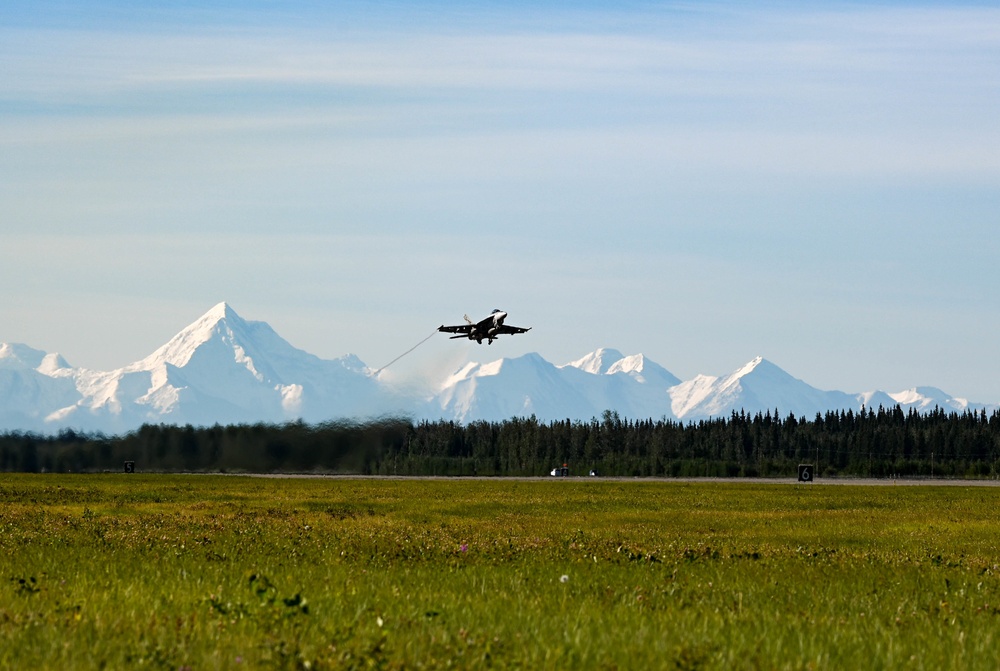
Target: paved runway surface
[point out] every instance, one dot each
(868, 482)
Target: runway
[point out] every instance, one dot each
(856, 482)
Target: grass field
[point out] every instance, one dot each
(220, 572)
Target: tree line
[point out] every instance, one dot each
(871, 443)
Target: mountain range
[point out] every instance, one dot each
(224, 369)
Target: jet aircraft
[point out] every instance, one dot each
(490, 328)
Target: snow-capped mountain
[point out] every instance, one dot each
(220, 369)
(924, 399)
(758, 386)
(31, 384)
(521, 387)
(224, 369)
(529, 385)
(635, 387)
(610, 362)
(632, 386)
(222, 363)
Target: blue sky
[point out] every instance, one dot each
(816, 183)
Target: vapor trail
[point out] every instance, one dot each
(375, 374)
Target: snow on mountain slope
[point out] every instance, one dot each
(598, 362)
(33, 384)
(759, 386)
(633, 386)
(925, 399)
(583, 389)
(15, 356)
(223, 365)
(224, 369)
(606, 361)
(220, 369)
(495, 391)
(875, 400)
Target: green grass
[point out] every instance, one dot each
(217, 572)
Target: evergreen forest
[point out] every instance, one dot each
(869, 443)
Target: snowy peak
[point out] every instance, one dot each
(927, 398)
(757, 386)
(22, 357)
(17, 356)
(529, 385)
(220, 349)
(760, 371)
(643, 370)
(219, 369)
(599, 362)
(750, 367)
(634, 363)
(635, 387)
(219, 312)
(519, 387)
(526, 363)
(220, 323)
(607, 361)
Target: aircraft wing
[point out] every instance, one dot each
(461, 328)
(512, 330)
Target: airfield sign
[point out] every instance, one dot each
(805, 472)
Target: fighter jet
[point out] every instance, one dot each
(490, 328)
